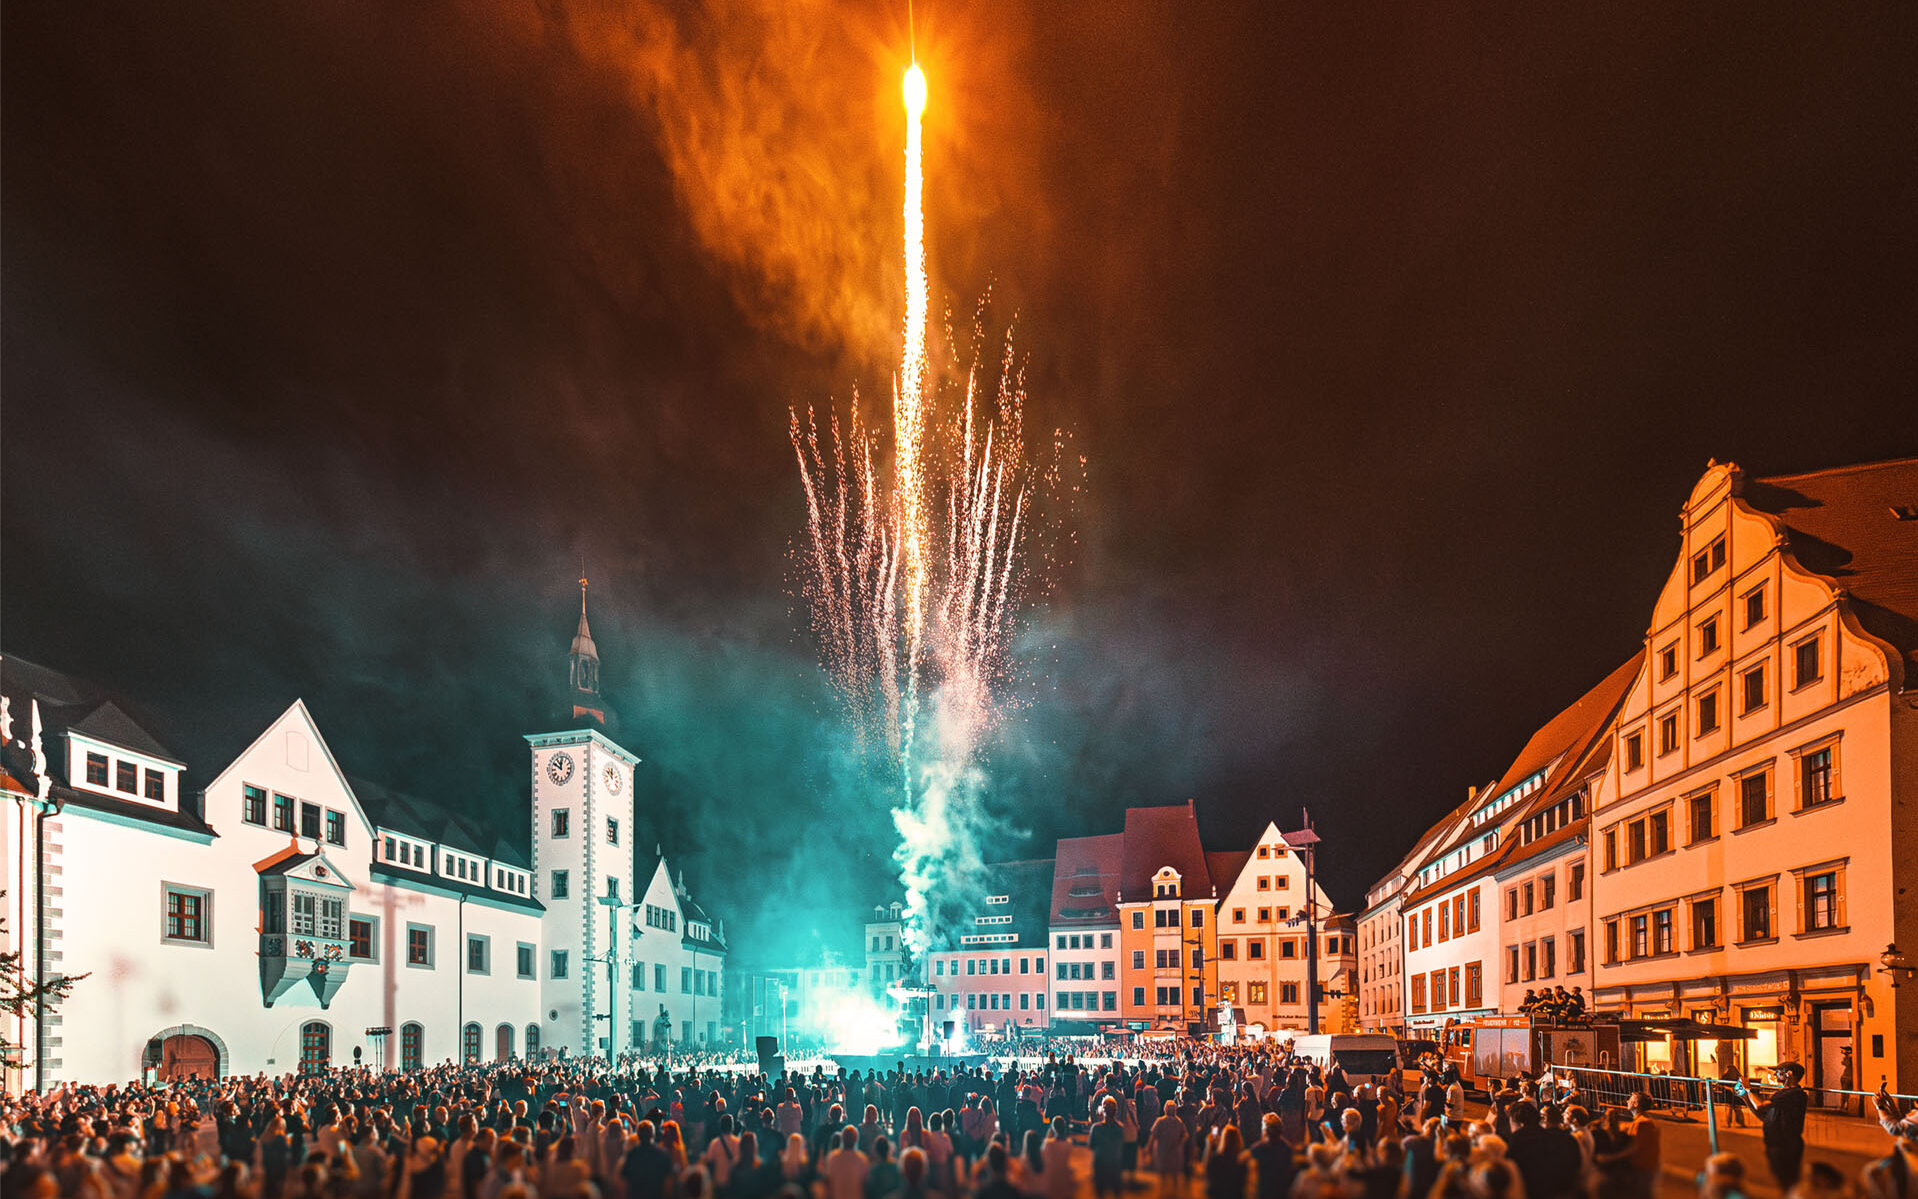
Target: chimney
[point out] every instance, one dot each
(1471, 792)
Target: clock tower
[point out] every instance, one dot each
(582, 812)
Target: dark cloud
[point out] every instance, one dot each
(1393, 339)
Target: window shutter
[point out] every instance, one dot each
(1771, 901)
(1798, 901)
(1839, 879)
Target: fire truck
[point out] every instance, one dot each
(1488, 1048)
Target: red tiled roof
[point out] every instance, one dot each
(1159, 837)
(1841, 523)
(1568, 744)
(1083, 863)
(1224, 866)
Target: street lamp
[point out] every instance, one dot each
(1895, 964)
(612, 904)
(1304, 840)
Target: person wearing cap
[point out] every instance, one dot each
(1783, 1120)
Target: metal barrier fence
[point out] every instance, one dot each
(1835, 1119)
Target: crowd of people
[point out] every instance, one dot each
(1225, 1122)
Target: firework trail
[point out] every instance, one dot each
(913, 575)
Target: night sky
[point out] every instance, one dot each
(1392, 336)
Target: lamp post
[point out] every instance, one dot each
(612, 904)
(1305, 840)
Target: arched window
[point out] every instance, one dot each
(470, 1043)
(532, 1040)
(503, 1042)
(316, 1047)
(412, 1046)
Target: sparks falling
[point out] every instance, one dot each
(913, 577)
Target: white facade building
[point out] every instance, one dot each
(286, 915)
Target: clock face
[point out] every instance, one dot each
(559, 767)
(613, 781)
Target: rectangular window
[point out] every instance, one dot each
(282, 813)
(1668, 662)
(1228, 950)
(1668, 733)
(1755, 913)
(253, 805)
(1635, 842)
(1546, 885)
(1474, 984)
(1238, 915)
(1062, 969)
(1755, 605)
(1138, 959)
(1138, 919)
(1575, 951)
(1611, 941)
(1641, 930)
(1265, 915)
(1471, 911)
(359, 939)
(155, 786)
(612, 831)
(1754, 798)
(1418, 992)
(186, 915)
(1659, 831)
(1531, 960)
(1707, 560)
(1511, 964)
(1702, 828)
(1814, 778)
(562, 822)
(1255, 948)
(1705, 923)
(1806, 663)
(1708, 636)
(1198, 958)
(1138, 997)
(1525, 898)
(126, 777)
(336, 828)
(559, 963)
(1547, 958)
(1707, 713)
(524, 959)
(96, 770)
(1105, 940)
(659, 977)
(562, 885)
(476, 955)
(1106, 971)
(1752, 686)
(1662, 931)
(685, 980)
(1821, 901)
(419, 945)
(1634, 751)
(310, 821)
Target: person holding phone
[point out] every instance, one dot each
(1783, 1121)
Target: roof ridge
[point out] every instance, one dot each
(1839, 470)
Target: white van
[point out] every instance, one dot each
(1365, 1057)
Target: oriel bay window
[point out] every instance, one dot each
(303, 928)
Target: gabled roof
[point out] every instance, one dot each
(1224, 866)
(1085, 876)
(1841, 524)
(108, 722)
(1575, 736)
(1160, 837)
(430, 821)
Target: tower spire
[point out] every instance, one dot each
(583, 664)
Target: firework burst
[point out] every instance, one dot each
(913, 566)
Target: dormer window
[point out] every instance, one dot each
(155, 785)
(127, 778)
(1705, 561)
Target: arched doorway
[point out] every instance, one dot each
(532, 1040)
(187, 1055)
(470, 1044)
(503, 1043)
(316, 1047)
(412, 1046)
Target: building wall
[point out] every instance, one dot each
(1807, 991)
(1085, 973)
(1451, 952)
(682, 974)
(1381, 969)
(1184, 928)
(1544, 924)
(1262, 938)
(139, 986)
(984, 989)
